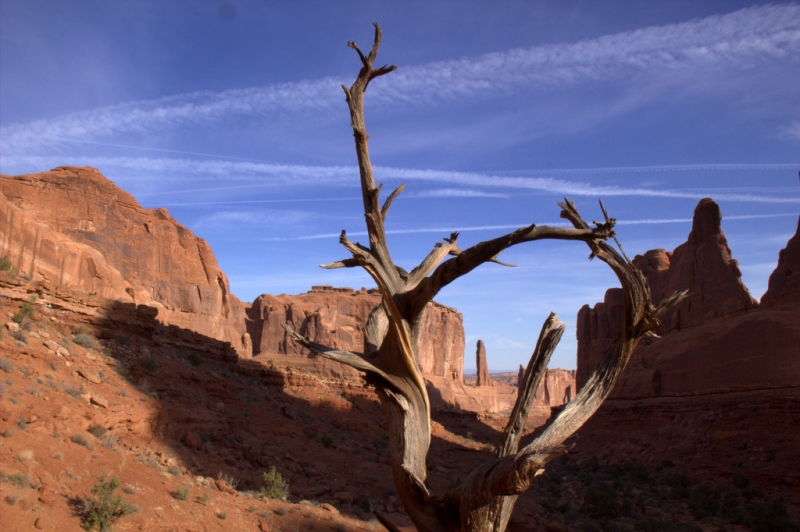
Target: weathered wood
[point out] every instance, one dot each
(485, 500)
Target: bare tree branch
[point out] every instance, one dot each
(390, 199)
(344, 263)
(348, 358)
(485, 501)
(471, 258)
(439, 252)
(551, 333)
(391, 527)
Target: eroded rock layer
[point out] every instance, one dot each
(73, 227)
(336, 317)
(719, 338)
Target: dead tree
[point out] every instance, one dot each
(486, 498)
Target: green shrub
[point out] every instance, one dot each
(680, 483)
(74, 391)
(274, 485)
(768, 517)
(6, 266)
(6, 364)
(227, 477)
(182, 493)
(104, 509)
(704, 502)
(19, 480)
(98, 431)
(85, 340)
(80, 439)
(25, 312)
(601, 500)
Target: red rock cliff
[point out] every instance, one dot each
(72, 226)
(336, 317)
(784, 283)
(718, 339)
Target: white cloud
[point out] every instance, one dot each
(736, 40)
(455, 193)
(168, 172)
(465, 229)
(265, 218)
(791, 131)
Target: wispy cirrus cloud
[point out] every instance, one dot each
(240, 218)
(791, 131)
(455, 193)
(172, 172)
(465, 229)
(736, 40)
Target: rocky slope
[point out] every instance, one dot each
(188, 428)
(72, 227)
(719, 338)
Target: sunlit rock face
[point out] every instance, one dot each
(336, 317)
(73, 227)
(719, 338)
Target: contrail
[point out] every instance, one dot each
(445, 230)
(735, 40)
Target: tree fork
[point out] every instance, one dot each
(485, 501)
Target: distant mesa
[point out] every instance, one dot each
(719, 338)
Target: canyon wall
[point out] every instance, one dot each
(719, 338)
(336, 317)
(71, 227)
(79, 236)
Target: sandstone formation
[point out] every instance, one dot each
(72, 227)
(719, 338)
(79, 237)
(483, 378)
(557, 388)
(784, 283)
(336, 317)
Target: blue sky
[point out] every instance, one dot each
(230, 115)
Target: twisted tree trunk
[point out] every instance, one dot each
(485, 501)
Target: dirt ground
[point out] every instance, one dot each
(189, 432)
